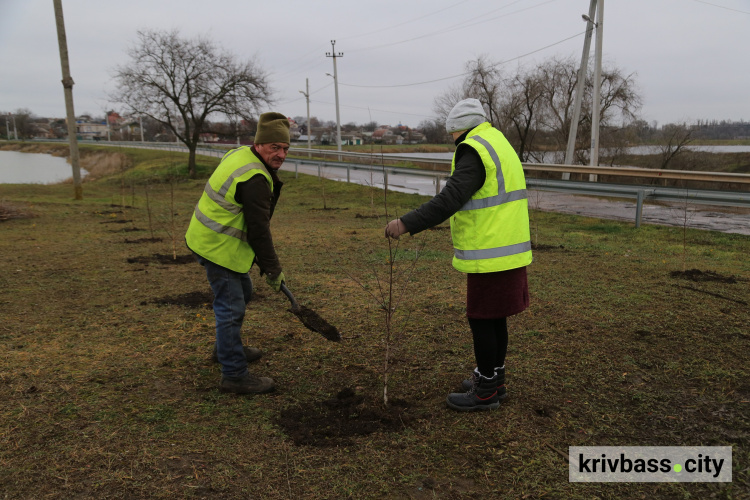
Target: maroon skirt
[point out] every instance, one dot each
(496, 295)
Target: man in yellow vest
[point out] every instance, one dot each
(229, 232)
(485, 199)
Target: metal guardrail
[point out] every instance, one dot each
(641, 193)
(638, 192)
(646, 173)
(368, 161)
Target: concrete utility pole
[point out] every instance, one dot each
(7, 127)
(140, 125)
(67, 82)
(15, 130)
(334, 55)
(307, 97)
(597, 90)
(579, 88)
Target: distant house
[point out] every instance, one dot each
(379, 134)
(392, 139)
(209, 137)
(351, 140)
(91, 129)
(42, 130)
(303, 139)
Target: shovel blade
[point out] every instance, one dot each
(315, 323)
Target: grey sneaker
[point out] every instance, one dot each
(251, 354)
(249, 384)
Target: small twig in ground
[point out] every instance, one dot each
(560, 452)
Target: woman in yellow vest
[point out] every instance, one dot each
(485, 199)
(229, 232)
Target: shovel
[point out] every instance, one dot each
(310, 318)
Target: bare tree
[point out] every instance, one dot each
(443, 103)
(559, 78)
(534, 107)
(523, 111)
(485, 84)
(180, 82)
(673, 141)
(434, 131)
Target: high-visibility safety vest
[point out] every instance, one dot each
(217, 228)
(491, 231)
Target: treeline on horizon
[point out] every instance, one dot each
(26, 124)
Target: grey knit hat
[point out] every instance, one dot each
(465, 115)
(272, 127)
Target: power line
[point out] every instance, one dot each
(377, 31)
(722, 7)
(311, 93)
(375, 109)
(404, 23)
(467, 72)
(459, 26)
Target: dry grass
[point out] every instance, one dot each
(108, 390)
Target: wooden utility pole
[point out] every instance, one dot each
(334, 55)
(67, 82)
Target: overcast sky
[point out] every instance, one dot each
(690, 57)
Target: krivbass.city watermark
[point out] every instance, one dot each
(650, 464)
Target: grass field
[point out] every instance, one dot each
(633, 337)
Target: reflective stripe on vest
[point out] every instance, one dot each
(492, 253)
(220, 197)
(219, 228)
(502, 196)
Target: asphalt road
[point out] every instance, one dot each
(712, 218)
(696, 216)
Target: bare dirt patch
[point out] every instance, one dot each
(10, 211)
(144, 240)
(195, 300)
(336, 421)
(702, 276)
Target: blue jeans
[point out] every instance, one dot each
(232, 292)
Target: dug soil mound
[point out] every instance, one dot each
(336, 421)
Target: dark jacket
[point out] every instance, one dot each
(258, 204)
(467, 178)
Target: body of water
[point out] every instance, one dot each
(637, 150)
(33, 168)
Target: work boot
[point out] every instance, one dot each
(249, 384)
(482, 396)
(251, 353)
(499, 371)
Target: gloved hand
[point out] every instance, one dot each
(276, 282)
(395, 228)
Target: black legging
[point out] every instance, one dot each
(490, 343)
